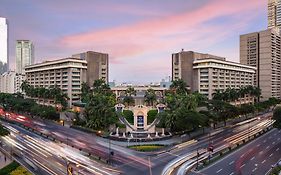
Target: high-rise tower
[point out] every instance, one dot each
(274, 13)
(24, 54)
(3, 45)
(262, 50)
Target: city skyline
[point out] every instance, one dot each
(139, 37)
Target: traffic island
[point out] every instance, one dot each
(147, 148)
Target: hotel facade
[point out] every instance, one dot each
(68, 74)
(207, 73)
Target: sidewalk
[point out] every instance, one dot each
(4, 161)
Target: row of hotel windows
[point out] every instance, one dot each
(57, 65)
(52, 74)
(227, 82)
(215, 70)
(221, 65)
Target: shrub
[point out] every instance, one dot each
(9, 168)
(20, 171)
(129, 115)
(151, 115)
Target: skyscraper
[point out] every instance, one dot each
(262, 50)
(97, 65)
(274, 13)
(3, 45)
(24, 55)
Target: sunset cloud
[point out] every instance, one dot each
(139, 36)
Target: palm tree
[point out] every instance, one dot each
(217, 95)
(128, 99)
(25, 87)
(150, 97)
(130, 91)
(179, 87)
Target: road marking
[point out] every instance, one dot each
(258, 145)
(173, 154)
(264, 141)
(270, 155)
(267, 147)
(277, 149)
(231, 173)
(254, 169)
(261, 152)
(242, 166)
(231, 163)
(219, 170)
(253, 158)
(242, 155)
(273, 143)
(263, 161)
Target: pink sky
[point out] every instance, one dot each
(140, 37)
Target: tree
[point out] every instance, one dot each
(179, 87)
(150, 97)
(100, 111)
(223, 109)
(277, 117)
(128, 99)
(85, 91)
(100, 86)
(3, 131)
(217, 95)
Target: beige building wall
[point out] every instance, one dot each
(97, 65)
(262, 49)
(271, 13)
(68, 74)
(182, 66)
(207, 73)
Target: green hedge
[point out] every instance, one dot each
(147, 148)
(129, 115)
(3, 131)
(275, 170)
(151, 115)
(9, 168)
(20, 171)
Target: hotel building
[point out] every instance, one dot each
(97, 65)
(262, 50)
(207, 73)
(68, 74)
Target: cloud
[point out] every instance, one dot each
(164, 33)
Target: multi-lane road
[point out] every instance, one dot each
(124, 160)
(45, 157)
(255, 158)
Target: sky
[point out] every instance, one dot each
(139, 35)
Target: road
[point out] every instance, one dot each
(46, 157)
(126, 160)
(255, 158)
